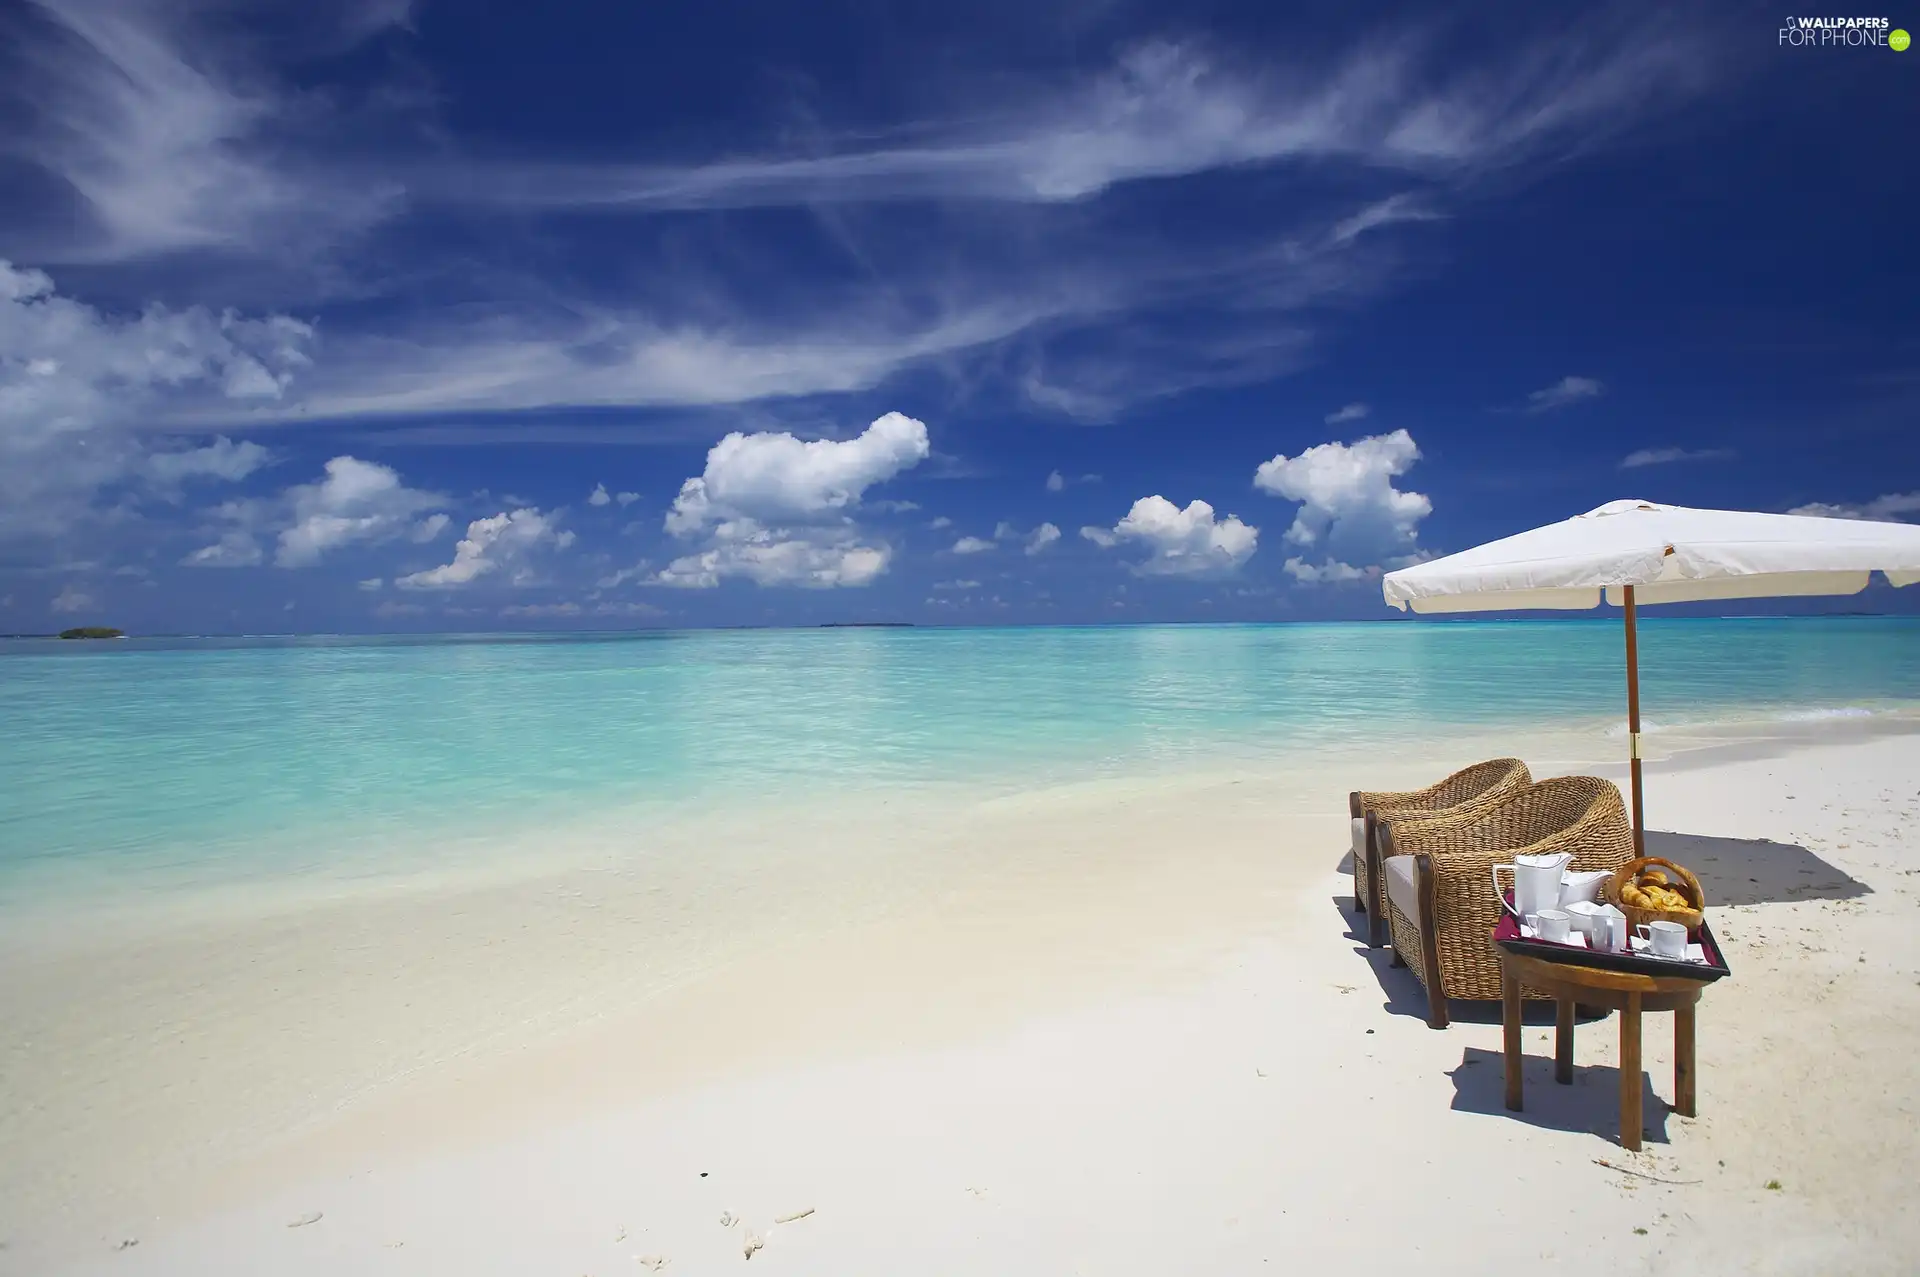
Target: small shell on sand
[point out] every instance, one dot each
(655, 1262)
(750, 1241)
(788, 1219)
(311, 1217)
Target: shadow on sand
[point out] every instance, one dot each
(1590, 1106)
(1741, 871)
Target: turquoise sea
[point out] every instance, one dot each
(203, 759)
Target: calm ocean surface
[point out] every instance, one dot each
(229, 755)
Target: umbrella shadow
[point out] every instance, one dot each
(1590, 1106)
(1752, 871)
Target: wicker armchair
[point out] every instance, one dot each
(1467, 791)
(1439, 881)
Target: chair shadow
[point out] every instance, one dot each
(1590, 1106)
(1742, 871)
(1404, 993)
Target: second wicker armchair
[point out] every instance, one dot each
(1467, 791)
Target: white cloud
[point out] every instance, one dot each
(429, 528)
(1894, 507)
(893, 507)
(372, 584)
(1189, 542)
(236, 548)
(814, 558)
(1352, 412)
(778, 511)
(956, 585)
(1055, 482)
(626, 498)
(1667, 456)
(393, 607)
(940, 523)
(75, 384)
(599, 495)
(774, 477)
(71, 599)
(221, 459)
(1349, 509)
(1042, 537)
(357, 502)
(502, 540)
(1567, 390)
(611, 607)
(972, 545)
(542, 609)
(1331, 570)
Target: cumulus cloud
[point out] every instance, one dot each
(1189, 542)
(599, 495)
(357, 502)
(776, 510)
(773, 477)
(1331, 570)
(504, 540)
(1894, 507)
(1042, 537)
(1056, 481)
(71, 599)
(972, 545)
(1668, 456)
(1350, 512)
(940, 523)
(1567, 390)
(626, 498)
(75, 384)
(1352, 412)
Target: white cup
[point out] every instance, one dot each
(1554, 925)
(1666, 939)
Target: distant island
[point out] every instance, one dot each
(92, 632)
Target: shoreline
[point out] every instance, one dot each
(1041, 907)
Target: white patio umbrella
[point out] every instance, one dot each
(1633, 552)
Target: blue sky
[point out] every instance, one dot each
(380, 315)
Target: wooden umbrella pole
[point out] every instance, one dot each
(1633, 724)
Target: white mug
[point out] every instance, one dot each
(1553, 925)
(1615, 928)
(1666, 939)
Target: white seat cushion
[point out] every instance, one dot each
(1360, 842)
(1400, 888)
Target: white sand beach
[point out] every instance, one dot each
(1125, 1029)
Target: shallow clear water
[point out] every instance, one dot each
(211, 757)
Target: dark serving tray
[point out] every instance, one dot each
(1507, 936)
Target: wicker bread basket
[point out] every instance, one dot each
(1679, 878)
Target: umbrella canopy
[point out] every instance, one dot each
(1632, 552)
(1669, 553)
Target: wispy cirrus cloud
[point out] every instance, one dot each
(1669, 456)
(174, 138)
(1564, 392)
(1167, 109)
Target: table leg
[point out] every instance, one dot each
(1630, 1074)
(1563, 1041)
(1683, 1098)
(1510, 1021)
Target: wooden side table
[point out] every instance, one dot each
(1629, 994)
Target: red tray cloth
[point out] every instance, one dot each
(1507, 934)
